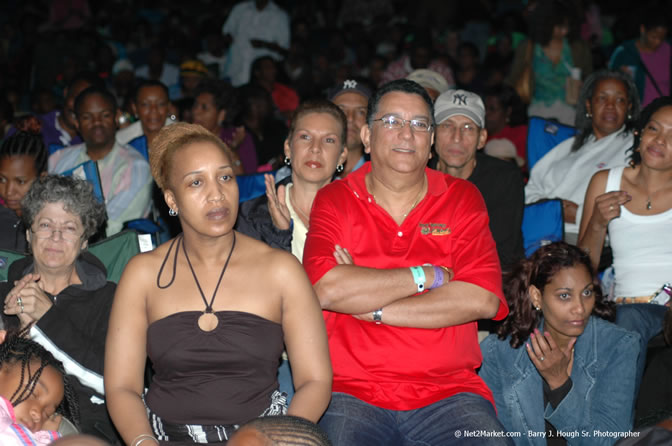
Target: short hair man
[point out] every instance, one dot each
(124, 173)
(402, 336)
(460, 136)
(151, 104)
(353, 98)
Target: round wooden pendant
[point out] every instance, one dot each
(208, 321)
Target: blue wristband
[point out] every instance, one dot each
(419, 277)
(438, 277)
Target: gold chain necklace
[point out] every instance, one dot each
(415, 203)
(291, 198)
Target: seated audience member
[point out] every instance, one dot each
(124, 173)
(505, 118)
(404, 359)
(607, 111)
(556, 366)
(460, 136)
(264, 74)
(61, 293)
(352, 97)
(647, 58)
(434, 83)
(633, 205)
(284, 430)
(213, 102)
(215, 357)
(469, 75)
(34, 393)
(59, 127)
(151, 105)
(315, 150)
(192, 73)
(23, 158)
(268, 133)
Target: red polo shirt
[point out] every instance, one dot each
(404, 368)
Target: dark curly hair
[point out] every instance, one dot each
(583, 123)
(538, 270)
(644, 118)
(19, 350)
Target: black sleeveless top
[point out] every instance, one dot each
(225, 376)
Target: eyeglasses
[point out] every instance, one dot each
(465, 129)
(46, 230)
(395, 123)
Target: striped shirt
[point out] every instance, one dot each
(125, 177)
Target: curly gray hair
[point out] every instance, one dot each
(75, 194)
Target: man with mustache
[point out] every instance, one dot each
(124, 173)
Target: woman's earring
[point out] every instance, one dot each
(340, 168)
(287, 161)
(537, 307)
(589, 115)
(172, 212)
(629, 116)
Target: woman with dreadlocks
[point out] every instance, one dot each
(33, 390)
(23, 158)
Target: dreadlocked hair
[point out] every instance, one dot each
(538, 270)
(18, 349)
(26, 144)
(288, 430)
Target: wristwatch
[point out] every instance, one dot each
(378, 316)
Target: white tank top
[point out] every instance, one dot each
(642, 247)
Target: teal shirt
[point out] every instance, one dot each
(549, 79)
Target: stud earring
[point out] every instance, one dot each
(172, 212)
(589, 115)
(629, 116)
(287, 161)
(340, 168)
(537, 307)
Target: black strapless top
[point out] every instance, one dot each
(225, 376)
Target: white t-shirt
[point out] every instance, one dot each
(642, 247)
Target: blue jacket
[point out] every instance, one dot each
(601, 397)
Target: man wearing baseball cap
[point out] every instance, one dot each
(352, 97)
(460, 134)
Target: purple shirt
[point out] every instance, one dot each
(658, 64)
(246, 151)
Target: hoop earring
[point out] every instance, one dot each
(172, 212)
(340, 168)
(287, 161)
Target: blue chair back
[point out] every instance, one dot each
(251, 186)
(88, 171)
(542, 136)
(542, 224)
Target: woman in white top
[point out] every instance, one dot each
(607, 110)
(634, 205)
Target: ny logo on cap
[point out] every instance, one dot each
(460, 99)
(349, 84)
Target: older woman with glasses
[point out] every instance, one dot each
(61, 291)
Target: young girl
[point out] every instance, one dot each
(33, 388)
(555, 367)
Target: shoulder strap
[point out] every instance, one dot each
(648, 73)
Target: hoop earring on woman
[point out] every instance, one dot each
(172, 212)
(340, 168)
(287, 161)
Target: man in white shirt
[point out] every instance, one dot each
(257, 28)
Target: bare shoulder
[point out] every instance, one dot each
(599, 180)
(147, 264)
(273, 260)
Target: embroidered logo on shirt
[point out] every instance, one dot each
(437, 229)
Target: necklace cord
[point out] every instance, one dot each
(208, 306)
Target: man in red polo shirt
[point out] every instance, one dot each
(404, 265)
